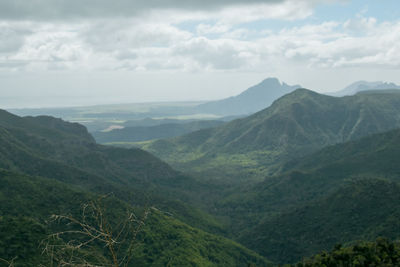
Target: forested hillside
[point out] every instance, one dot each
(296, 124)
(300, 197)
(339, 194)
(52, 167)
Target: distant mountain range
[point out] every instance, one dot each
(251, 100)
(361, 86)
(307, 173)
(319, 195)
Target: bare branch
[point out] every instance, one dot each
(81, 244)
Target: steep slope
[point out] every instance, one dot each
(30, 147)
(28, 202)
(50, 166)
(319, 174)
(252, 100)
(340, 194)
(382, 252)
(362, 210)
(380, 151)
(294, 125)
(361, 86)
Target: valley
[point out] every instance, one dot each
(296, 178)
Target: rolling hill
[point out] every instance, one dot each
(335, 181)
(67, 152)
(359, 210)
(48, 166)
(294, 125)
(340, 194)
(28, 202)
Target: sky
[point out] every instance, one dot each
(87, 52)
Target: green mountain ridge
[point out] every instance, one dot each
(340, 194)
(360, 210)
(133, 174)
(294, 125)
(49, 167)
(28, 202)
(292, 180)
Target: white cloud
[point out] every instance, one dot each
(204, 29)
(136, 45)
(12, 36)
(360, 25)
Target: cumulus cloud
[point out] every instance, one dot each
(376, 45)
(119, 34)
(160, 43)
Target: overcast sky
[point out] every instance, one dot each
(84, 52)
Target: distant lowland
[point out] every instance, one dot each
(276, 175)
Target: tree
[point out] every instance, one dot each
(98, 238)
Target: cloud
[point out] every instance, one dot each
(133, 44)
(213, 54)
(122, 33)
(360, 25)
(65, 9)
(12, 36)
(331, 47)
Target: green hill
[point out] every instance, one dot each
(339, 194)
(316, 198)
(360, 210)
(375, 154)
(60, 152)
(294, 125)
(382, 252)
(48, 166)
(28, 202)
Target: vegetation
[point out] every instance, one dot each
(361, 210)
(143, 133)
(297, 124)
(382, 252)
(56, 172)
(67, 153)
(312, 205)
(28, 202)
(283, 193)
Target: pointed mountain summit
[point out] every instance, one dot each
(252, 100)
(362, 86)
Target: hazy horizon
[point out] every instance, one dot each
(74, 53)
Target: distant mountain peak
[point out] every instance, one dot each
(300, 93)
(254, 99)
(272, 81)
(361, 86)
